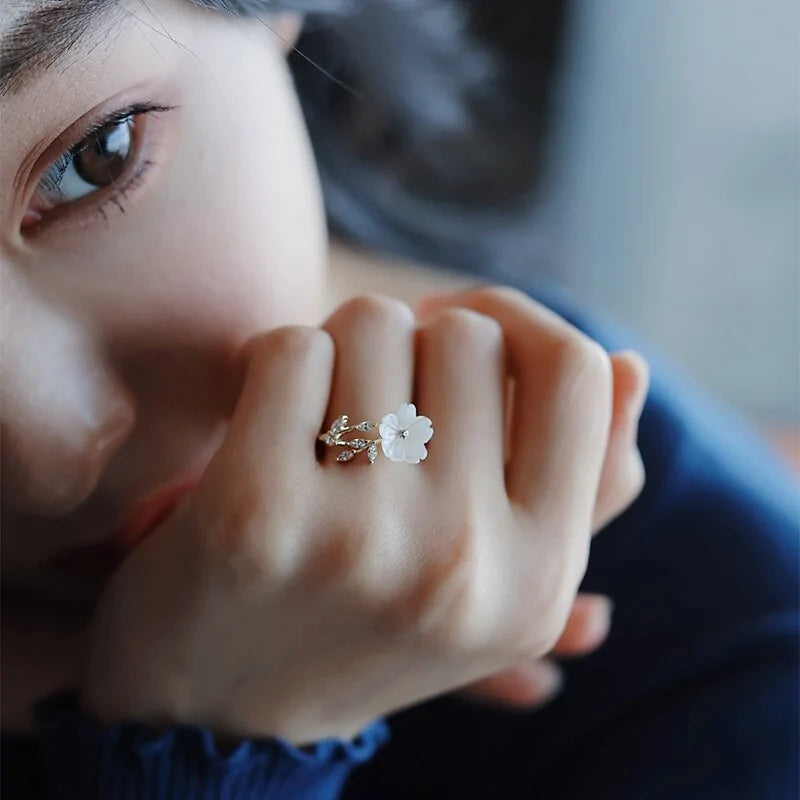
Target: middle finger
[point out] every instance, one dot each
(461, 383)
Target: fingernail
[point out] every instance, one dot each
(546, 678)
(601, 624)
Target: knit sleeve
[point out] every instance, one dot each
(79, 758)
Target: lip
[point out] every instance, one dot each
(151, 512)
(95, 562)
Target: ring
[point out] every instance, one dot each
(402, 436)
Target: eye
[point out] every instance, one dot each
(94, 163)
(108, 157)
(97, 162)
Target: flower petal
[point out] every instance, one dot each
(415, 452)
(389, 426)
(406, 415)
(421, 430)
(394, 449)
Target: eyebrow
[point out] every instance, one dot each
(39, 37)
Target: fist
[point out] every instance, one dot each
(296, 596)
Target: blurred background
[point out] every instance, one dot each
(690, 112)
(642, 154)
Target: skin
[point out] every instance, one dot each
(130, 344)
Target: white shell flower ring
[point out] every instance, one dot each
(403, 436)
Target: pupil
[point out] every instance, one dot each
(104, 155)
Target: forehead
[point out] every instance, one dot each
(52, 14)
(35, 34)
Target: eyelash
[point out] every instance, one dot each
(116, 193)
(118, 197)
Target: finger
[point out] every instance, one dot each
(530, 683)
(527, 684)
(562, 402)
(587, 627)
(631, 383)
(287, 374)
(373, 373)
(622, 476)
(460, 384)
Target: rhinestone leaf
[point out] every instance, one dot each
(345, 455)
(328, 438)
(358, 443)
(372, 453)
(339, 424)
(365, 426)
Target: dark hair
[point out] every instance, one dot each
(439, 139)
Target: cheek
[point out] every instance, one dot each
(231, 240)
(256, 204)
(254, 220)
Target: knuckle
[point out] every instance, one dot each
(635, 477)
(502, 298)
(377, 312)
(337, 558)
(624, 486)
(595, 365)
(554, 594)
(231, 527)
(550, 632)
(241, 534)
(432, 604)
(298, 342)
(580, 358)
(506, 294)
(464, 326)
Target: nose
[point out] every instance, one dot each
(64, 413)
(51, 472)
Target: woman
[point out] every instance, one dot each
(196, 603)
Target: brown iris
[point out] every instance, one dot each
(104, 155)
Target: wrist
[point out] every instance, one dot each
(83, 758)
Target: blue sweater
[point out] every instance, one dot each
(695, 694)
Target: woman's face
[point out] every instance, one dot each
(136, 261)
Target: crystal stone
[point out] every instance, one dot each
(345, 455)
(339, 424)
(365, 426)
(372, 453)
(358, 443)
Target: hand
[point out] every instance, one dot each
(303, 600)
(531, 683)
